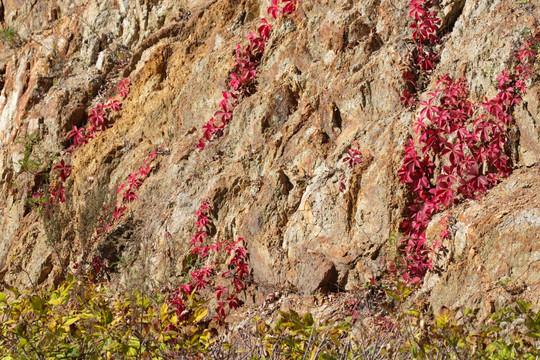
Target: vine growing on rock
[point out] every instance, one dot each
(113, 213)
(242, 77)
(98, 121)
(423, 58)
(202, 276)
(460, 153)
(80, 136)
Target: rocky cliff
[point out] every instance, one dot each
(330, 77)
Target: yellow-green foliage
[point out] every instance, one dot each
(83, 320)
(296, 337)
(511, 333)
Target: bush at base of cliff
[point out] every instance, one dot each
(83, 320)
(511, 333)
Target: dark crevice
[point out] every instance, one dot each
(374, 43)
(284, 184)
(45, 270)
(448, 21)
(325, 138)
(112, 253)
(329, 283)
(2, 18)
(337, 121)
(2, 77)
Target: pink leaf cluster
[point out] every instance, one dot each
(200, 278)
(241, 78)
(38, 200)
(383, 323)
(97, 264)
(98, 118)
(65, 170)
(288, 8)
(135, 180)
(123, 89)
(470, 150)
(423, 58)
(353, 158)
(57, 192)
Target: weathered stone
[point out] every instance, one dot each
(494, 248)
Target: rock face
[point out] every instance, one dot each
(330, 76)
(494, 254)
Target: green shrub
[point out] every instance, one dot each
(10, 37)
(30, 162)
(86, 320)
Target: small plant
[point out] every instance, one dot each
(10, 37)
(33, 162)
(353, 158)
(300, 337)
(112, 213)
(303, 181)
(98, 118)
(80, 136)
(512, 334)
(37, 201)
(30, 162)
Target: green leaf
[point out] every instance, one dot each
(536, 318)
(56, 300)
(163, 309)
(37, 303)
(494, 329)
(441, 319)
(106, 316)
(314, 352)
(413, 312)
(134, 344)
(143, 301)
(335, 339)
(205, 336)
(392, 294)
(22, 343)
(198, 314)
(524, 306)
(308, 319)
(71, 320)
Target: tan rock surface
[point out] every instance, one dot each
(493, 255)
